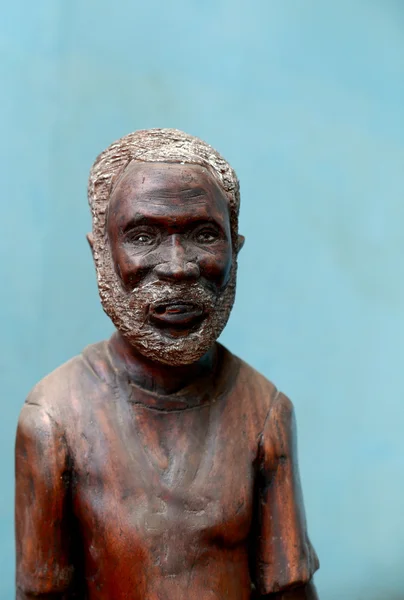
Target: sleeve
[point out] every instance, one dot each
(284, 556)
(43, 539)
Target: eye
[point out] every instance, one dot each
(207, 235)
(141, 238)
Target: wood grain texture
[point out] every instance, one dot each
(122, 497)
(158, 466)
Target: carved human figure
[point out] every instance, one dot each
(157, 465)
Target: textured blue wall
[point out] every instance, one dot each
(306, 100)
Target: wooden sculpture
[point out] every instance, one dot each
(157, 465)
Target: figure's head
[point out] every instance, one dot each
(165, 241)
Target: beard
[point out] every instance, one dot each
(130, 313)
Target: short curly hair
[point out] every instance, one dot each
(157, 145)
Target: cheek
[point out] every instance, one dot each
(130, 267)
(216, 267)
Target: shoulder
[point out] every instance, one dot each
(281, 411)
(260, 391)
(50, 399)
(278, 437)
(271, 410)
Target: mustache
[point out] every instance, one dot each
(160, 292)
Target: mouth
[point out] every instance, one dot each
(176, 314)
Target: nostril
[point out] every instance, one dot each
(177, 271)
(192, 270)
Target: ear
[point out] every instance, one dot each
(90, 240)
(241, 240)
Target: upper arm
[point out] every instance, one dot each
(44, 563)
(302, 592)
(284, 554)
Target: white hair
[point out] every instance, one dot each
(157, 145)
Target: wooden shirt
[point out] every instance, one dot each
(124, 494)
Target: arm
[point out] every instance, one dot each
(283, 557)
(42, 503)
(305, 592)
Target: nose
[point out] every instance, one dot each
(176, 267)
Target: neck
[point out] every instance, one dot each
(158, 377)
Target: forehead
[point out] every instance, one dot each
(174, 189)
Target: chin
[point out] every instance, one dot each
(173, 347)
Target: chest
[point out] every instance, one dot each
(184, 477)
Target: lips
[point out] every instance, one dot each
(176, 313)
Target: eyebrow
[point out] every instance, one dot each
(161, 221)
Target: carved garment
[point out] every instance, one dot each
(124, 494)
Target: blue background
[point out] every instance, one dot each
(306, 100)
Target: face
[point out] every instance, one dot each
(172, 273)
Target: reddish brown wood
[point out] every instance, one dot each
(137, 478)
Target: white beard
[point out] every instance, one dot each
(129, 313)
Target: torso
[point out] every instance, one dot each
(163, 490)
